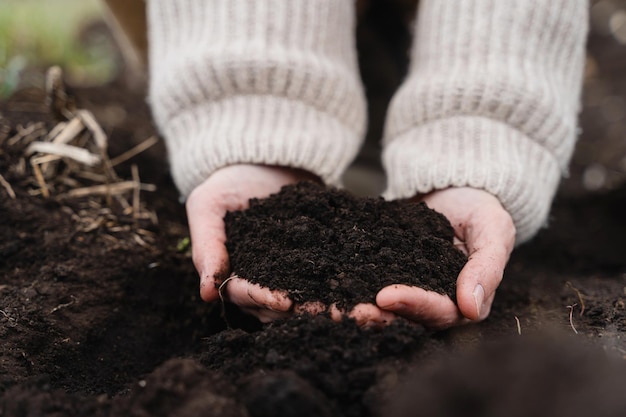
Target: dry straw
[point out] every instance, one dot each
(70, 162)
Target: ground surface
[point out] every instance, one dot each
(105, 319)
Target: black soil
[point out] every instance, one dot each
(504, 378)
(94, 324)
(326, 245)
(300, 346)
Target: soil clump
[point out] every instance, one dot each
(324, 244)
(93, 323)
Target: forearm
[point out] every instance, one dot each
(255, 81)
(491, 102)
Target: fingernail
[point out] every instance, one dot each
(479, 296)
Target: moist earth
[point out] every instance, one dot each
(94, 323)
(106, 321)
(327, 245)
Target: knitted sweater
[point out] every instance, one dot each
(490, 102)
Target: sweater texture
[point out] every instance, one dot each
(256, 81)
(490, 101)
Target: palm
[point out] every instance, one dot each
(485, 232)
(483, 228)
(228, 189)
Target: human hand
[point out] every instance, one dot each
(483, 230)
(227, 189)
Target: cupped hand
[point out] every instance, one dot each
(227, 189)
(483, 230)
(269, 305)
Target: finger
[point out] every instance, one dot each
(476, 288)
(208, 237)
(252, 296)
(335, 313)
(419, 305)
(490, 240)
(369, 315)
(364, 314)
(260, 302)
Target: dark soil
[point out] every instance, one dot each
(92, 323)
(507, 378)
(326, 245)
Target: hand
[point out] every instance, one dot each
(229, 189)
(483, 230)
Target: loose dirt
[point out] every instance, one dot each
(94, 322)
(326, 245)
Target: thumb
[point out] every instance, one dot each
(208, 247)
(489, 244)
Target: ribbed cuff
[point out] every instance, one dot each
(258, 130)
(270, 82)
(490, 102)
(480, 153)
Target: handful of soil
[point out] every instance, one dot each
(321, 244)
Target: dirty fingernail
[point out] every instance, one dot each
(479, 296)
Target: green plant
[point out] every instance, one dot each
(40, 33)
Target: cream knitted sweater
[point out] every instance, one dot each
(490, 102)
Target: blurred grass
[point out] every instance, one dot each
(41, 33)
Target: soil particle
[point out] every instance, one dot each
(326, 245)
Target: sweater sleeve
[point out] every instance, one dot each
(247, 81)
(491, 102)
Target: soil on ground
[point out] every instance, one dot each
(100, 312)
